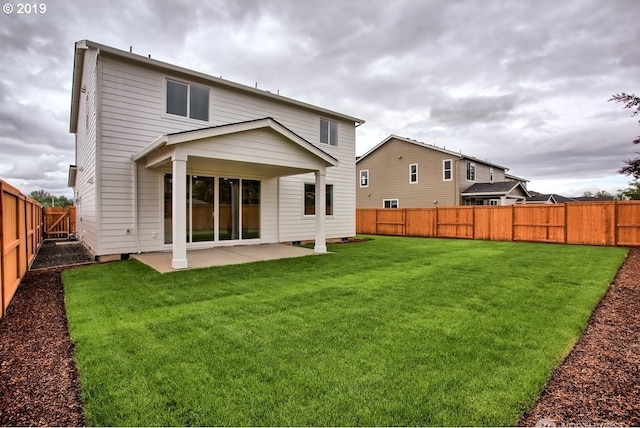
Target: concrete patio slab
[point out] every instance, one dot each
(221, 256)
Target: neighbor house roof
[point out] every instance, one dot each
(515, 177)
(501, 188)
(458, 155)
(541, 197)
(592, 198)
(83, 45)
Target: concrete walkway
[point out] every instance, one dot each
(222, 256)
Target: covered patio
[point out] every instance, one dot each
(251, 151)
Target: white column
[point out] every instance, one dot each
(179, 211)
(321, 208)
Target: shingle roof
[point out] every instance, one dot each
(459, 155)
(503, 187)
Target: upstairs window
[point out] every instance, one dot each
(364, 178)
(471, 171)
(447, 170)
(187, 100)
(329, 132)
(413, 173)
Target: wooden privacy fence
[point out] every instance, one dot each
(20, 235)
(59, 222)
(615, 223)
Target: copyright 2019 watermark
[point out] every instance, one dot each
(24, 8)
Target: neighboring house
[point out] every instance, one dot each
(404, 173)
(172, 159)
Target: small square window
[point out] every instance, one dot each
(310, 199)
(187, 100)
(390, 203)
(329, 132)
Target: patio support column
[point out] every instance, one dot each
(321, 207)
(179, 211)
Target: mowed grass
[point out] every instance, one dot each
(394, 331)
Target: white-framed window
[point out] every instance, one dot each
(310, 199)
(390, 203)
(491, 175)
(364, 178)
(413, 173)
(187, 100)
(447, 170)
(494, 202)
(471, 171)
(329, 132)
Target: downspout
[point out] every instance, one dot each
(135, 204)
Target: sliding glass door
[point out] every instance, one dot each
(250, 209)
(202, 214)
(235, 208)
(229, 208)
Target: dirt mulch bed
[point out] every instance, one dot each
(38, 380)
(60, 253)
(598, 383)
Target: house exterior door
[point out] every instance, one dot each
(233, 204)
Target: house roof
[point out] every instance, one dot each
(515, 177)
(249, 125)
(591, 198)
(502, 188)
(541, 197)
(430, 147)
(83, 45)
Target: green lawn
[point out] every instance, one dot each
(394, 331)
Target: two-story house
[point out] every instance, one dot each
(170, 159)
(401, 172)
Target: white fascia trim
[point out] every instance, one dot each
(155, 145)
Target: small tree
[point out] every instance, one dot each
(630, 193)
(46, 199)
(632, 167)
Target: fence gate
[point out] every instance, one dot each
(57, 222)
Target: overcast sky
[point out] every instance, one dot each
(521, 83)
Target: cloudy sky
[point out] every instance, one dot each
(521, 83)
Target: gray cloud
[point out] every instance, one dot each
(521, 83)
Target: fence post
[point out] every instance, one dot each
(473, 223)
(615, 223)
(566, 223)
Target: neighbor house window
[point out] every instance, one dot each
(364, 178)
(413, 173)
(329, 132)
(310, 199)
(447, 170)
(471, 171)
(187, 100)
(390, 203)
(491, 175)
